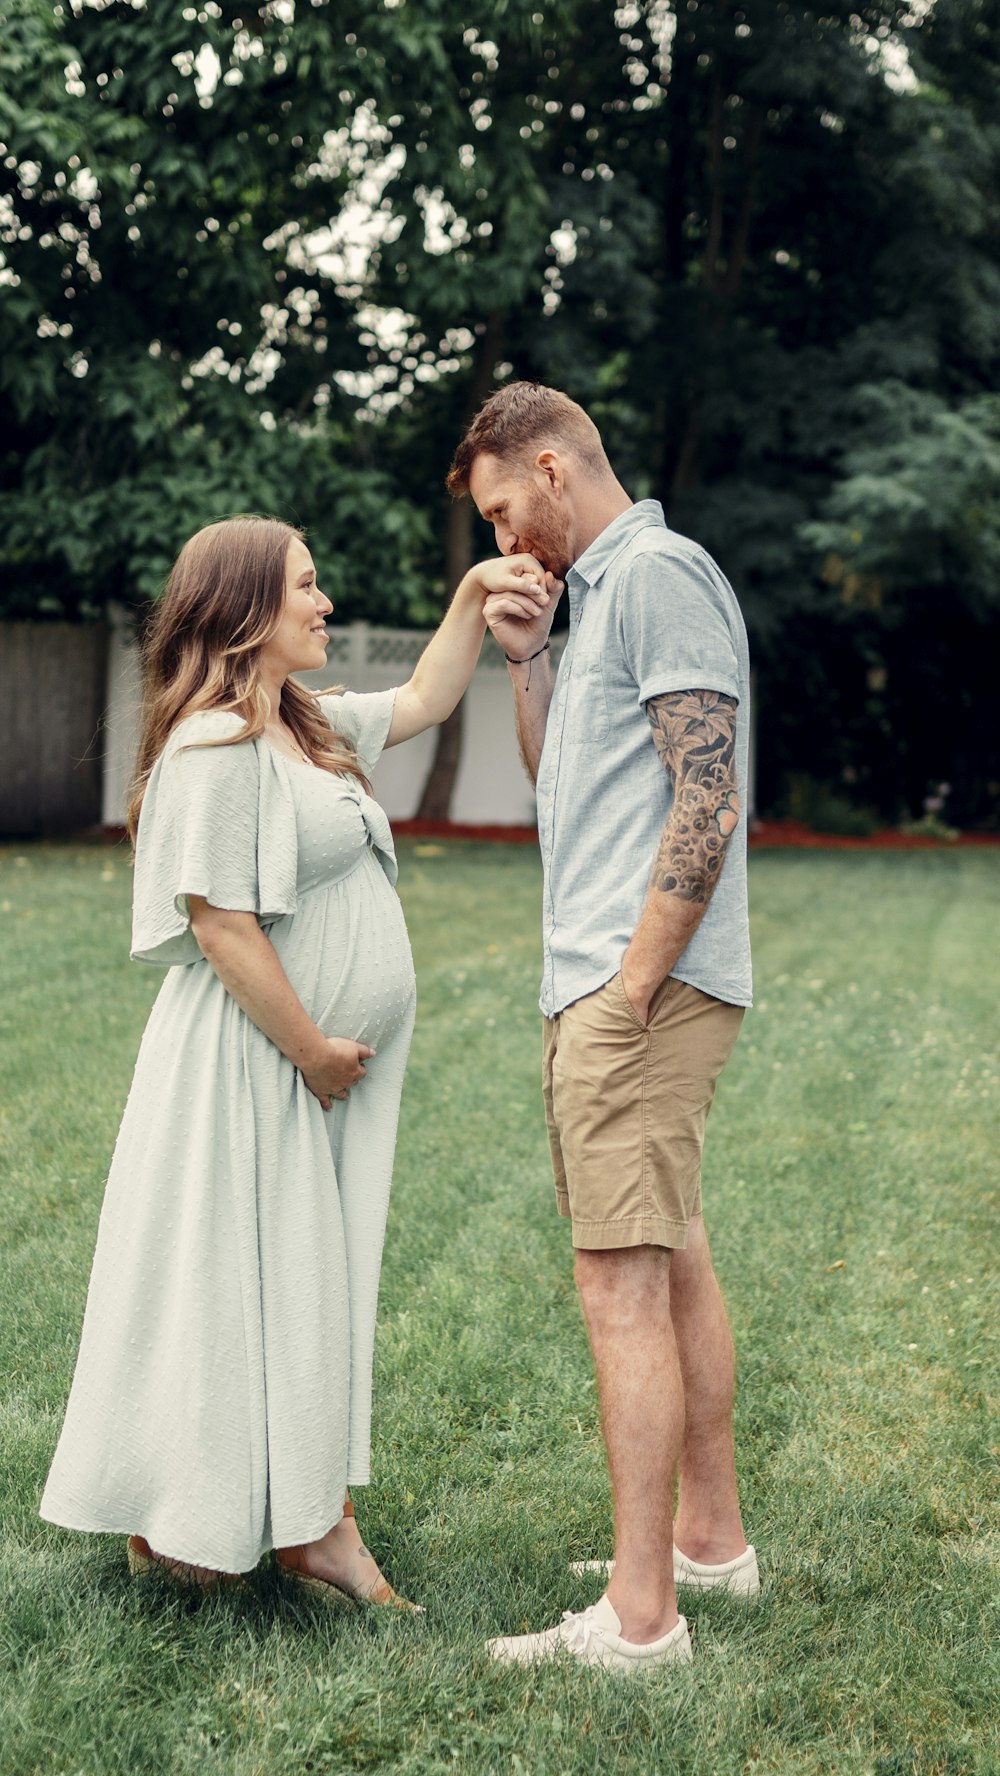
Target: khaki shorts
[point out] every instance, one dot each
(626, 1106)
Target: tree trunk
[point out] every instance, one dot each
(724, 261)
(675, 202)
(687, 469)
(435, 802)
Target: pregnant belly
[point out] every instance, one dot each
(352, 965)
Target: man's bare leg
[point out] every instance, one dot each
(709, 1528)
(626, 1305)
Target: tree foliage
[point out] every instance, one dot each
(167, 341)
(273, 257)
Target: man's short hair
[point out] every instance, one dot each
(522, 414)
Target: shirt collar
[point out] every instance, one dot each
(597, 558)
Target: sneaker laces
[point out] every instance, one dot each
(576, 1629)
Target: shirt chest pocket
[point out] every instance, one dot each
(587, 722)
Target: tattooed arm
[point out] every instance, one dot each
(695, 735)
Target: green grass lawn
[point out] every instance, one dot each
(851, 1187)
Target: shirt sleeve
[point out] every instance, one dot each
(216, 822)
(675, 625)
(364, 719)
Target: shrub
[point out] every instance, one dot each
(825, 810)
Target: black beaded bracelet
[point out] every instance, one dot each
(513, 661)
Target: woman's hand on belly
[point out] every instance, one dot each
(332, 1074)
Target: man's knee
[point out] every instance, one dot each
(621, 1286)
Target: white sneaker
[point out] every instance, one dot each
(593, 1637)
(740, 1576)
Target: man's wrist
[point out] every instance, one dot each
(525, 659)
(638, 982)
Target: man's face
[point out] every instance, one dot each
(526, 516)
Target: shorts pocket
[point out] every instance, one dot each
(618, 986)
(664, 993)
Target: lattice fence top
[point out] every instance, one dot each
(362, 645)
(394, 647)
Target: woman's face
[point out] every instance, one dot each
(300, 641)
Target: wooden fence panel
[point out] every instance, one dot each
(52, 694)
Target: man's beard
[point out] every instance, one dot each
(549, 532)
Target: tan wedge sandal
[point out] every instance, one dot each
(142, 1561)
(291, 1561)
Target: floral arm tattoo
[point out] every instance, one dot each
(695, 735)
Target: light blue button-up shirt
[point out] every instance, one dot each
(649, 612)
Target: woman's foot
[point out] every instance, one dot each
(142, 1559)
(340, 1562)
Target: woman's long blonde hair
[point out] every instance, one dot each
(201, 650)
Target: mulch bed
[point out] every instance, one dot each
(790, 834)
(794, 833)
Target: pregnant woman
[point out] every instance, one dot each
(221, 1403)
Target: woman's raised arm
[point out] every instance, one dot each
(448, 661)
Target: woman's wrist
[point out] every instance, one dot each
(470, 590)
(308, 1051)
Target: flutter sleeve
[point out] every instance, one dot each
(217, 821)
(364, 718)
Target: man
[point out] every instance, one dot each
(638, 749)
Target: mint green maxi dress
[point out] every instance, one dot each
(221, 1402)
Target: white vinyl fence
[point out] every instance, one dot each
(491, 788)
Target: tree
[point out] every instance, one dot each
(294, 251)
(166, 335)
(475, 132)
(719, 227)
